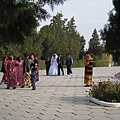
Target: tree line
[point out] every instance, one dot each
(19, 20)
(60, 36)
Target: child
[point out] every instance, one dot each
(33, 78)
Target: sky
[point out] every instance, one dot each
(88, 15)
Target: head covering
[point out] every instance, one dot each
(53, 56)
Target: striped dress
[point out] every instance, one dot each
(88, 71)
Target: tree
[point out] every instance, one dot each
(82, 50)
(73, 38)
(61, 37)
(54, 36)
(111, 31)
(95, 48)
(18, 18)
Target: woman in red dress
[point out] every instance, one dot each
(19, 69)
(11, 73)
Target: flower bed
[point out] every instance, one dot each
(106, 91)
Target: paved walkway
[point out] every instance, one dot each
(57, 98)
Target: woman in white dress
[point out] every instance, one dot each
(54, 66)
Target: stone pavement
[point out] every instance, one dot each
(57, 98)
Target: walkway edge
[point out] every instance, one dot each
(102, 103)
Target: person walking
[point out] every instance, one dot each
(69, 63)
(88, 70)
(60, 62)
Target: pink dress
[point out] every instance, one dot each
(11, 73)
(19, 69)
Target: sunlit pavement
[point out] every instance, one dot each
(57, 98)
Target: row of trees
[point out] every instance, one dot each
(60, 36)
(19, 20)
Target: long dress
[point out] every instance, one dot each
(53, 70)
(19, 69)
(11, 74)
(26, 73)
(88, 71)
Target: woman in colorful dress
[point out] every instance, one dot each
(88, 70)
(26, 72)
(4, 64)
(11, 73)
(19, 69)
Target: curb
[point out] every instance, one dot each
(102, 103)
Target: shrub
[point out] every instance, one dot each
(78, 63)
(101, 63)
(106, 91)
(42, 65)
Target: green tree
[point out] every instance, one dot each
(18, 18)
(61, 37)
(95, 47)
(73, 39)
(54, 36)
(111, 31)
(82, 50)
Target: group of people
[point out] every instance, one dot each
(26, 72)
(54, 66)
(20, 72)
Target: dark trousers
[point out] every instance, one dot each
(47, 69)
(60, 67)
(34, 84)
(69, 70)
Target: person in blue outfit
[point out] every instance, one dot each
(69, 63)
(33, 78)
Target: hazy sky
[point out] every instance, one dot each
(88, 14)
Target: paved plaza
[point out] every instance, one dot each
(57, 98)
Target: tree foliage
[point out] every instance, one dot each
(61, 37)
(18, 18)
(95, 47)
(111, 31)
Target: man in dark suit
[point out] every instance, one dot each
(60, 62)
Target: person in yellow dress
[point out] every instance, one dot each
(88, 70)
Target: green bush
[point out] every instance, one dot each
(106, 91)
(78, 63)
(101, 63)
(42, 65)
